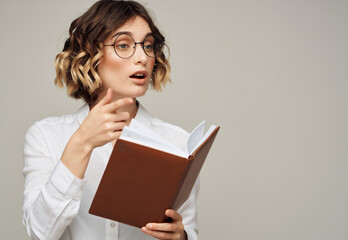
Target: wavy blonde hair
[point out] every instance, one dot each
(76, 66)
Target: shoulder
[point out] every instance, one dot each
(53, 123)
(55, 127)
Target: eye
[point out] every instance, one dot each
(122, 46)
(148, 46)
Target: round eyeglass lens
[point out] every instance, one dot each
(149, 45)
(125, 46)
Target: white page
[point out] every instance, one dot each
(130, 135)
(141, 129)
(195, 136)
(138, 133)
(206, 135)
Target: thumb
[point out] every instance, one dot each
(107, 98)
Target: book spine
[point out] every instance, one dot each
(192, 169)
(180, 197)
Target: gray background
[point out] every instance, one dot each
(272, 74)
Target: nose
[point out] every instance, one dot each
(139, 54)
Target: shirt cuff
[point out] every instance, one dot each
(66, 182)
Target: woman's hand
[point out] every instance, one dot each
(169, 231)
(104, 123)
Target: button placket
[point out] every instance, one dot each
(111, 231)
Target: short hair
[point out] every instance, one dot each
(76, 65)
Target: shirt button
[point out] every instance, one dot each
(112, 224)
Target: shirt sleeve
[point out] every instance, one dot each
(188, 211)
(51, 192)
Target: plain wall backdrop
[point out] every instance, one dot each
(272, 74)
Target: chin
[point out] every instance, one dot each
(139, 91)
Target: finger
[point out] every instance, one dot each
(173, 215)
(111, 136)
(107, 98)
(117, 117)
(167, 227)
(160, 235)
(112, 107)
(116, 126)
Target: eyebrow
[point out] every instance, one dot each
(126, 32)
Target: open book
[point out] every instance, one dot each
(138, 133)
(146, 174)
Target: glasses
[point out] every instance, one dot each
(125, 45)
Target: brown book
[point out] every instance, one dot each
(140, 183)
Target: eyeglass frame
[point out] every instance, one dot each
(135, 44)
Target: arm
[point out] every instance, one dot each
(53, 191)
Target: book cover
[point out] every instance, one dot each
(140, 182)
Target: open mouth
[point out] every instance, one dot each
(138, 76)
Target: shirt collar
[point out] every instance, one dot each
(142, 116)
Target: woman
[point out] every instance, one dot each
(113, 53)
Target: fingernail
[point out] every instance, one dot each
(149, 225)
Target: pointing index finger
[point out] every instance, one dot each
(114, 106)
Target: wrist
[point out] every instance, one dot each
(76, 155)
(80, 141)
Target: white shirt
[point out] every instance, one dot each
(56, 203)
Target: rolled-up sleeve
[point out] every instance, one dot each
(52, 193)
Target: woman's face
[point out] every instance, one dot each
(116, 73)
